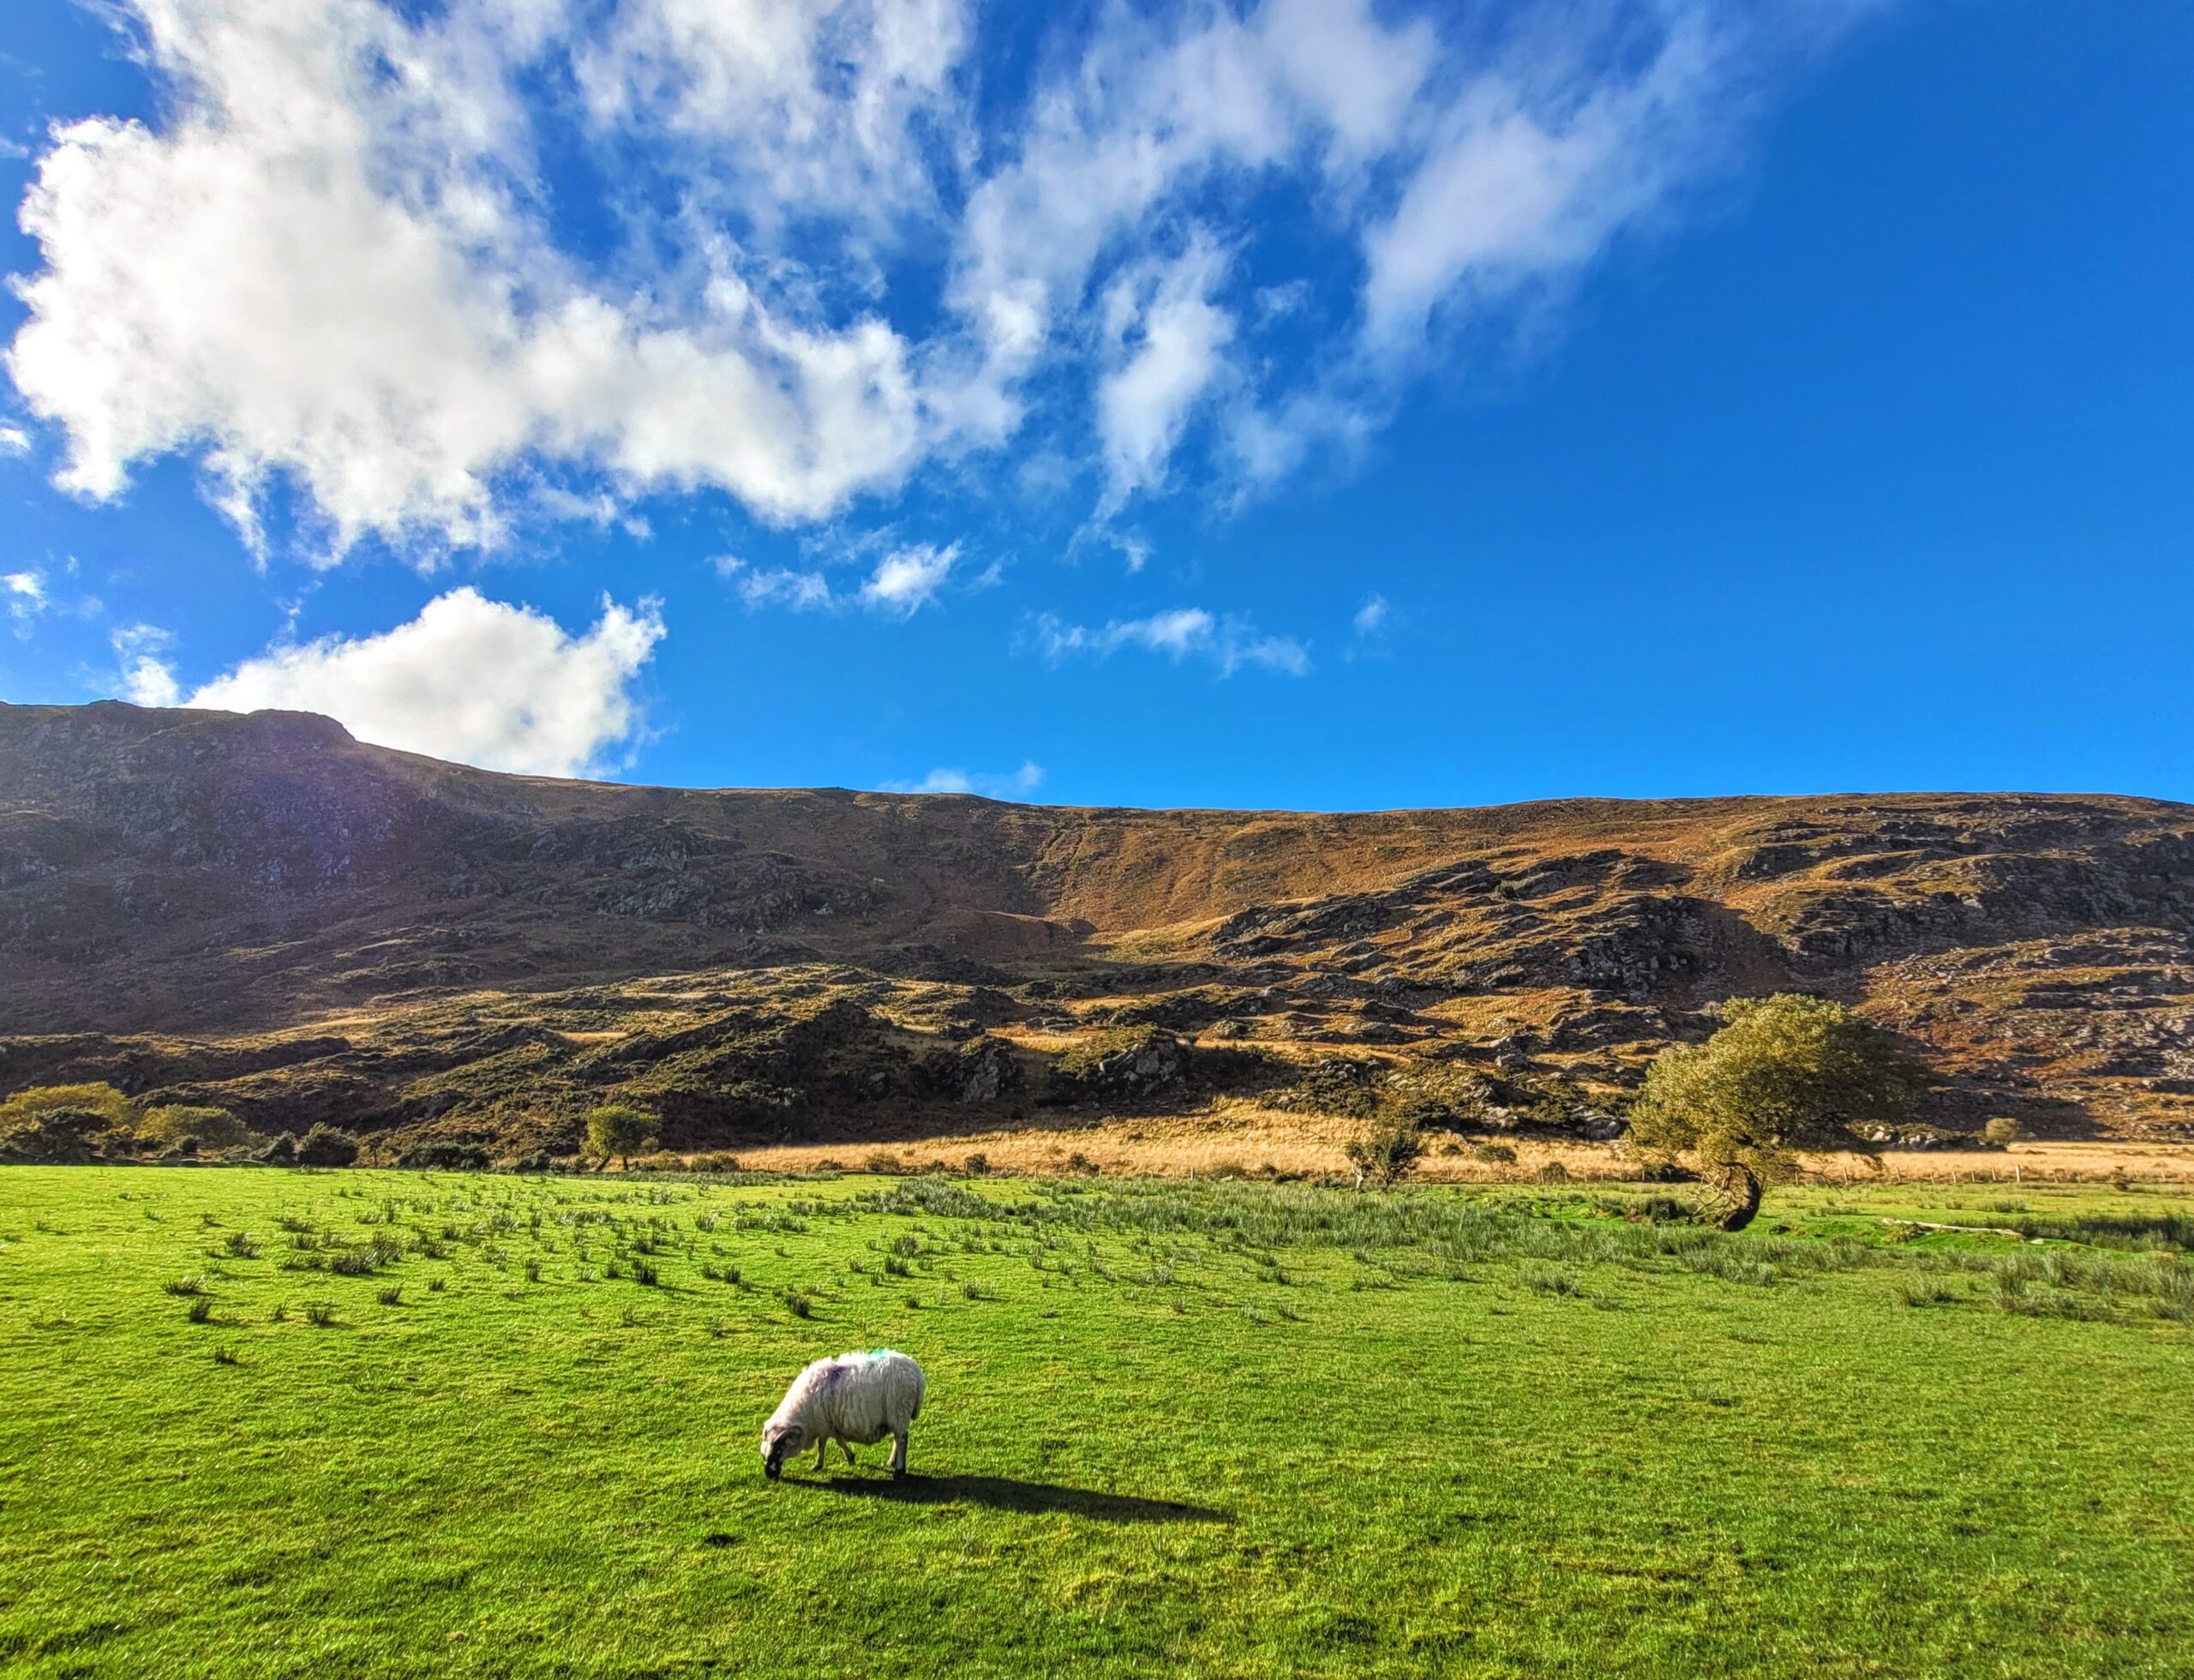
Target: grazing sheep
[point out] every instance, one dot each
(855, 1397)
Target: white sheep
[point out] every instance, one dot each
(855, 1397)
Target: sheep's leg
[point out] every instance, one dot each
(822, 1448)
(847, 1449)
(898, 1452)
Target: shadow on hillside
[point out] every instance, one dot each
(1004, 1493)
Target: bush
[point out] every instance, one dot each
(445, 1156)
(2001, 1133)
(1785, 1073)
(1444, 1096)
(1337, 1085)
(25, 1106)
(56, 1135)
(1134, 1063)
(617, 1131)
(1388, 1150)
(326, 1146)
(1493, 1152)
(63, 1123)
(191, 1129)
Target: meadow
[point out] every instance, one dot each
(267, 1422)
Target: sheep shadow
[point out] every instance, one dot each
(1004, 1493)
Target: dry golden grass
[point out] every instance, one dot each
(1242, 1139)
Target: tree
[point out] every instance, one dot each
(1785, 1073)
(617, 1129)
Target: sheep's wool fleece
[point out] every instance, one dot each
(857, 1397)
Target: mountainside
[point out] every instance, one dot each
(261, 912)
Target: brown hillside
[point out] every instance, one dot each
(263, 912)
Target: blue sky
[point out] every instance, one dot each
(1310, 404)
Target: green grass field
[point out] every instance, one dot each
(1201, 1429)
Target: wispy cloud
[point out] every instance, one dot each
(901, 584)
(909, 580)
(26, 596)
(328, 264)
(1181, 633)
(1012, 784)
(146, 677)
(1368, 628)
(15, 441)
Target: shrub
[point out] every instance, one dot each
(799, 1305)
(393, 1296)
(322, 1313)
(1337, 1085)
(1132, 1062)
(1493, 1152)
(62, 1121)
(1784, 1072)
(1388, 1150)
(2002, 1133)
(1443, 1095)
(443, 1155)
(201, 1310)
(326, 1146)
(617, 1131)
(192, 1128)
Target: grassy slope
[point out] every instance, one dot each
(1423, 1454)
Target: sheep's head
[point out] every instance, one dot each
(779, 1440)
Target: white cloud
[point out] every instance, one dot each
(15, 441)
(470, 679)
(337, 263)
(1371, 617)
(146, 677)
(1014, 784)
(903, 581)
(326, 268)
(1183, 632)
(1172, 341)
(907, 579)
(799, 107)
(780, 587)
(1516, 189)
(27, 597)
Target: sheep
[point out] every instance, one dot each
(855, 1397)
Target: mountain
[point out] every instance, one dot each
(262, 912)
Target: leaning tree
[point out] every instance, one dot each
(1785, 1073)
(615, 1129)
